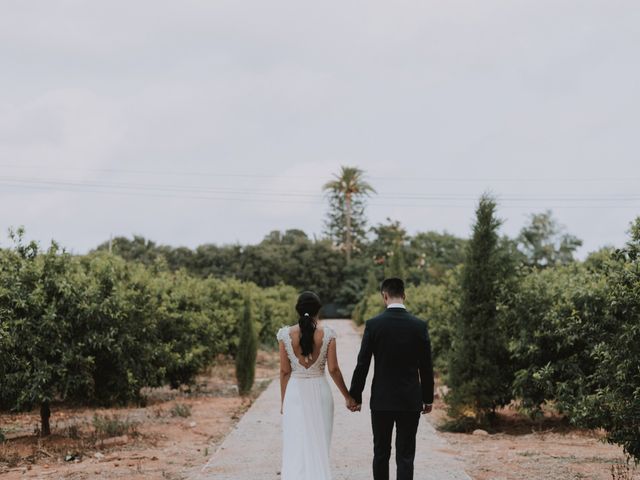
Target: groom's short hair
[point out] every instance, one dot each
(394, 287)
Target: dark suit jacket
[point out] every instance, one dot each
(403, 373)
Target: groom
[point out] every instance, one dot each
(402, 380)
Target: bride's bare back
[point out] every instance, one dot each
(318, 340)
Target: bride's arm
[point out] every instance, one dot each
(336, 373)
(285, 373)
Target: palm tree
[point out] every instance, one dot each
(348, 186)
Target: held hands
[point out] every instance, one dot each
(352, 405)
(427, 407)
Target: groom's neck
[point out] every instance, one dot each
(391, 301)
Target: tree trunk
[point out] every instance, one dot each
(45, 415)
(348, 240)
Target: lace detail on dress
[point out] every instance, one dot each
(317, 368)
(284, 337)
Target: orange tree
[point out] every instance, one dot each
(37, 300)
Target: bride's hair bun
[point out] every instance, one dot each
(308, 306)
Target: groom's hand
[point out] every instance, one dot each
(351, 404)
(426, 408)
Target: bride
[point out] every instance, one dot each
(307, 403)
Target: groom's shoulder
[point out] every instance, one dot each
(372, 322)
(419, 322)
(385, 316)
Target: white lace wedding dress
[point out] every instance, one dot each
(307, 420)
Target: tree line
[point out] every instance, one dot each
(294, 258)
(338, 265)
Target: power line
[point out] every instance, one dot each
(165, 187)
(18, 181)
(154, 195)
(373, 177)
(149, 172)
(469, 204)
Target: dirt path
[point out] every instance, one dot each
(253, 449)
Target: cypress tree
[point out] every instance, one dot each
(478, 373)
(247, 350)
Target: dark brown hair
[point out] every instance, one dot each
(308, 306)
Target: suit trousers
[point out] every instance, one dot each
(406, 424)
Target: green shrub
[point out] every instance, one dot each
(437, 304)
(39, 300)
(247, 351)
(575, 340)
(180, 410)
(612, 393)
(117, 330)
(273, 307)
(554, 316)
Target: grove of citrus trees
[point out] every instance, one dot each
(96, 329)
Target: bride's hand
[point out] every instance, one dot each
(351, 403)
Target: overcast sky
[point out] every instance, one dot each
(193, 122)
